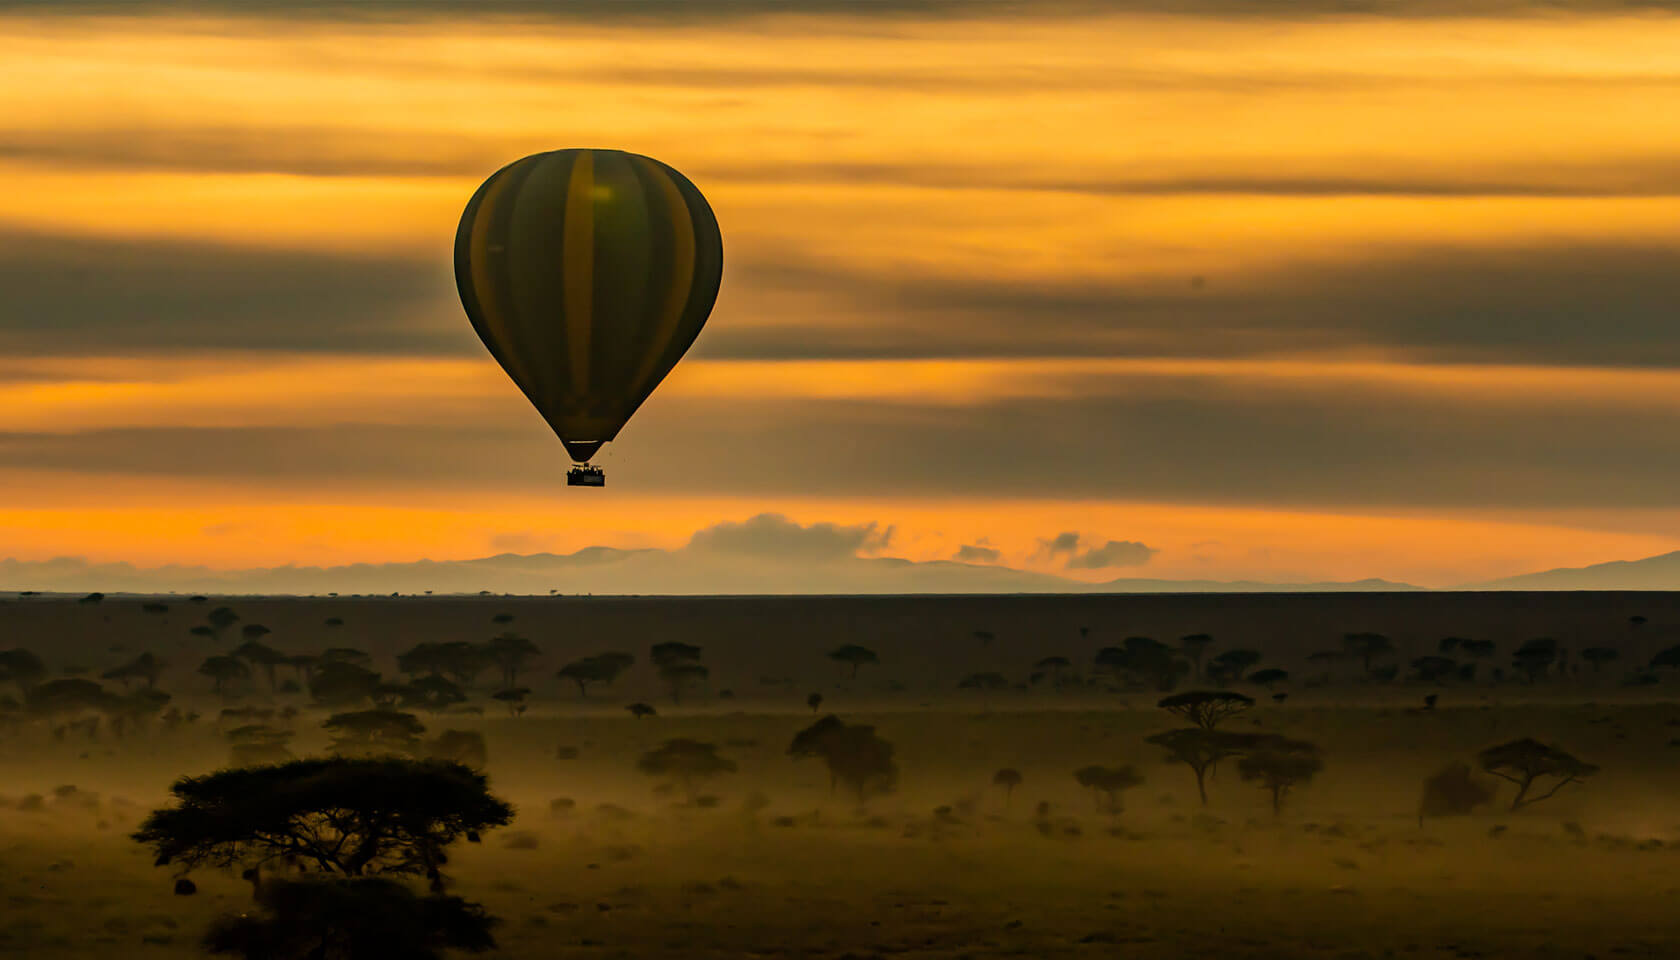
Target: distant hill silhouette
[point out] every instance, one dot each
(1652, 573)
(608, 571)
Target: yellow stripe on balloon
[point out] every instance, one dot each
(578, 269)
(677, 284)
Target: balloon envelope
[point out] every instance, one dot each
(587, 273)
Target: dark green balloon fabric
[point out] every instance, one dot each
(588, 273)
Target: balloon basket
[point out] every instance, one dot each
(586, 476)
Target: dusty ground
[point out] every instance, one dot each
(781, 868)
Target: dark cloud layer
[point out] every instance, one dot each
(1566, 304)
(1191, 439)
(99, 295)
(1543, 305)
(707, 11)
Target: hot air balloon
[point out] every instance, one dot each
(587, 273)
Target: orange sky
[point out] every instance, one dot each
(1424, 339)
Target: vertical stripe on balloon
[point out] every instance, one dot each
(578, 270)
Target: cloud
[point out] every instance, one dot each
(1554, 303)
(1062, 544)
(974, 553)
(773, 536)
(680, 12)
(73, 295)
(1114, 553)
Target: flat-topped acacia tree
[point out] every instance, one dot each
(1525, 761)
(352, 817)
(1205, 708)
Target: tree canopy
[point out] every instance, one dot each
(345, 816)
(1526, 761)
(853, 753)
(1205, 708)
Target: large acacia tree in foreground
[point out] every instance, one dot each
(352, 817)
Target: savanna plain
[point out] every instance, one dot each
(1013, 787)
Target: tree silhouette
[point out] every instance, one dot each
(254, 631)
(365, 733)
(1366, 647)
(1201, 749)
(432, 693)
(1228, 667)
(1452, 791)
(602, 668)
(640, 710)
(1145, 661)
(224, 670)
(1534, 659)
(1057, 667)
(514, 697)
(333, 918)
(1599, 656)
(853, 754)
(679, 666)
(1480, 649)
(219, 620)
(1108, 783)
(260, 655)
(1205, 708)
(1268, 678)
(341, 683)
(145, 667)
(22, 669)
(853, 656)
(1524, 761)
(1279, 764)
(349, 817)
(814, 701)
(511, 652)
(1008, 778)
(688, 762)
(1195, 647)
(502, 618)
(1669, 657)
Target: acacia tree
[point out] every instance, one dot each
(640, 710)
(1206, 708)
(1366, 647)
(1008, 778)
(22, 669)
(260, 654)
(1195, 647)
(373, 732)
(1279, 764)
(814, 701)
(1527, 760)
(1230, 666)
(510, 651)
(1108, 783)
(145, 667)
(514, 697)
(1534, 659)
(1268, 678)
(1202, 748)
(1057, 667)
(224, 670)
(219, 620)
(433, 693)
(602, 668)
(1143, 660)
(688, 762)
(854, 656)
(853, 754)
(679, 666)
(351, 817)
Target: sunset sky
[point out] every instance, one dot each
(1317, 297)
